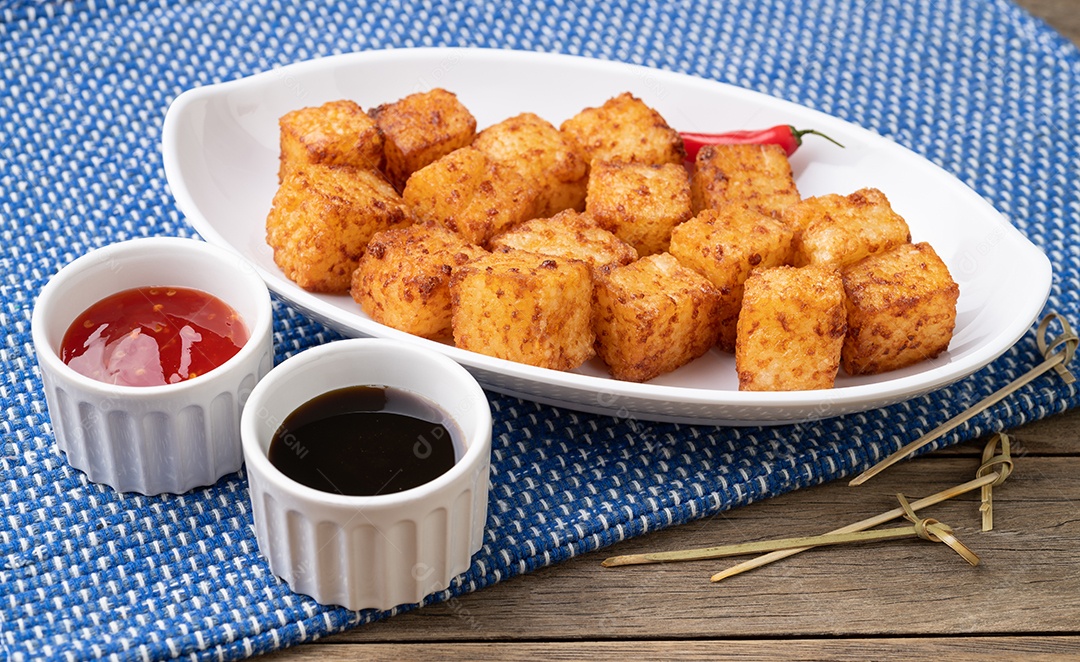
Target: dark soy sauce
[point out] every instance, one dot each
(364, 441)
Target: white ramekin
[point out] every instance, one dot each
(372, 551)
(152, 439)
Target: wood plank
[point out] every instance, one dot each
(895, 588)
(958, 649)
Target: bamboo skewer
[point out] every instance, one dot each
(765, 546)
(1004, 466)
(1057, 352)
(993, 471)
(935, 531)
(749, 548)
(862, 525)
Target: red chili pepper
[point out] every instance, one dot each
(784, 135)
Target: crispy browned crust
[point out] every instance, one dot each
(755, 175)
(901, 309)
(524, 307)
(337, 133)
(568, 234)
(595, 244)
(790, 329)
(544, 156)
(322, 219)
(639, 203)
(653, 316)
(403, 279)
(842, 229)
(419, 129)
(727, 245)
(624, 129)
(471, 194)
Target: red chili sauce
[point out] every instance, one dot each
(151, 336)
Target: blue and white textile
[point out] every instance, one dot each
(976, 86)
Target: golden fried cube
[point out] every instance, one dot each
(472, 194)
(524, 307)
(543, 155)
(840, 230)
(790, 329)
(421, 128)
(335, 133)
(323, 217)
(901, 309)
(653, 316)
(725, 246)
(639, 203)
(403, 279)
(625, 129)
(568, 234)
(757, 175)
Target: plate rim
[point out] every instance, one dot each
(849, 399)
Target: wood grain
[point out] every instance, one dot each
(959, 649)
(901, 599)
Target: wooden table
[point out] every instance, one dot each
(906, 598)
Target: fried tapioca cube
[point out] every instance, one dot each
(840, 230)
(471, 194)
(322, 219)
(757, 175)
(543, 155)
(625, 129)
(568, 234)
(421, 128)
(901, 309)
(524, 307)
(335, 133)
(639, 203)
(403, 279)
(653, 316)
(790, 329)
(725, 246)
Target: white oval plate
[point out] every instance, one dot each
(221, 157)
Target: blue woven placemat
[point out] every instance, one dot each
(977, 86)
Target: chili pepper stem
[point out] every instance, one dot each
(799, 133)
